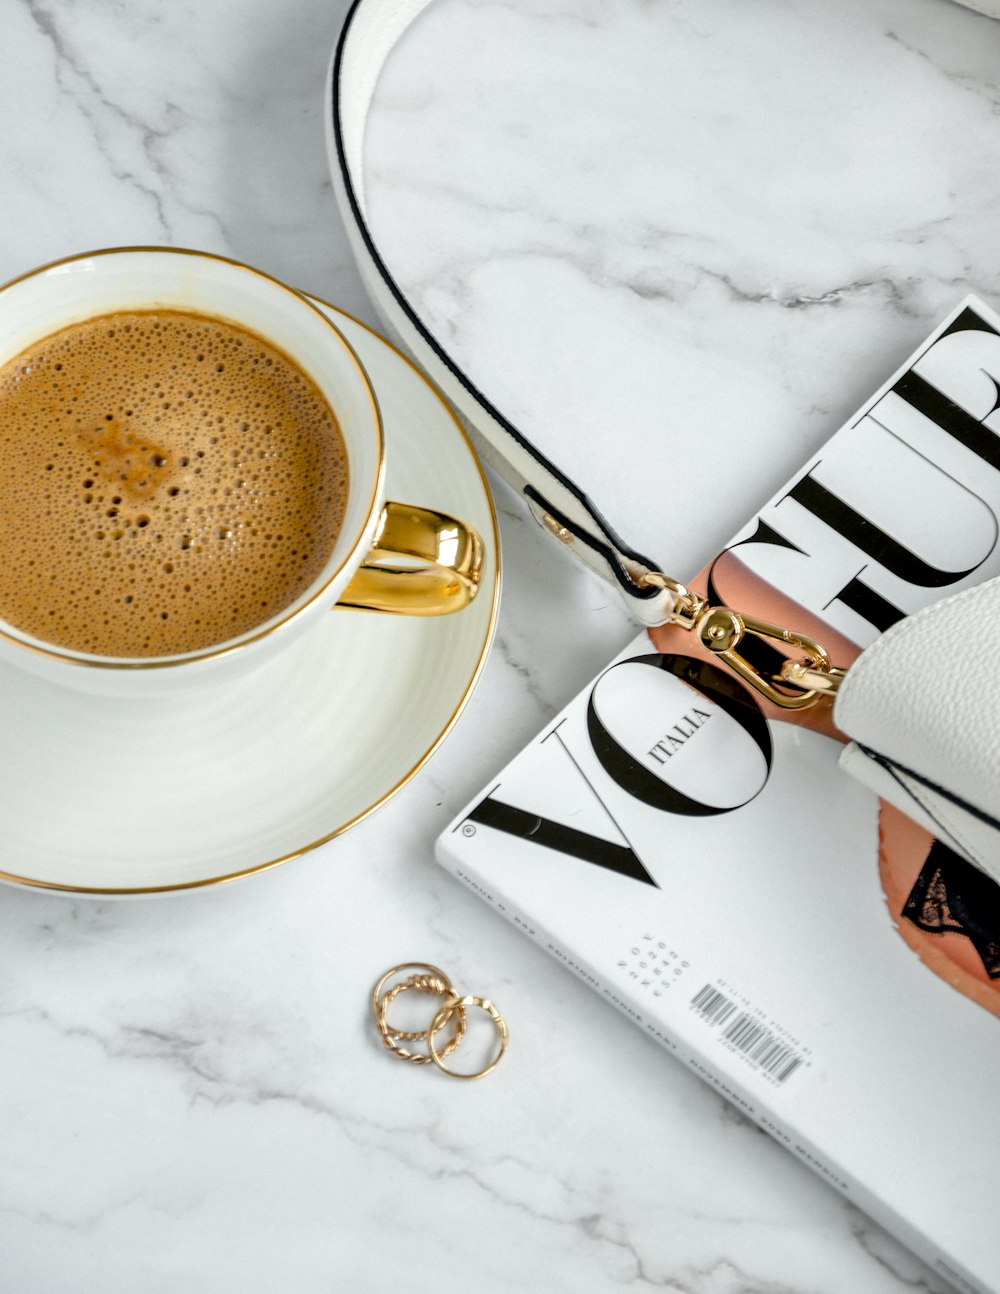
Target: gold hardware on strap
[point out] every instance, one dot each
(688, 605)
(800, 674)
(800, 683)
(557, 528)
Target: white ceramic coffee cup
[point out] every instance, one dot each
(387, 556)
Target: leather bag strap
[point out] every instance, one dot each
(370, 30)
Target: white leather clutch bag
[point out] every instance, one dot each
(922, 707)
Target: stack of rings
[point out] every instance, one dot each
(451, 1015)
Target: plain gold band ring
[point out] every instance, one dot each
(442, 1018)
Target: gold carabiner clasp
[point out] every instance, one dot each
(800, 683)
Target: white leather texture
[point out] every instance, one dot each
(922, 705)
(370, 31)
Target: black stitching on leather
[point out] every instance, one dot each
(603, 550)
(892, 767)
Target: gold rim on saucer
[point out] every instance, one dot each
(462, 439)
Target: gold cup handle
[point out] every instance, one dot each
(421, 563)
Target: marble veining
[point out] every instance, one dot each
(764, 206)
(678, 242)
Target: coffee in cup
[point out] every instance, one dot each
(170, 481)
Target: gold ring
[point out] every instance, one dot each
(442, 1018)
(440, 985)
(384, 1026)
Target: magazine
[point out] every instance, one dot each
(697, 856)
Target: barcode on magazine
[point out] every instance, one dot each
(747, 1034)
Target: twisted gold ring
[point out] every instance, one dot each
(424, 984)
(384, 1026)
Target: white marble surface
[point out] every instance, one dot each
(722, 222)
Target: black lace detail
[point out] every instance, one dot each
(952, 895)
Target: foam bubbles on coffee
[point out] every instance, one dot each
(169, 481)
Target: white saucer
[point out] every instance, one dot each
(113, 797)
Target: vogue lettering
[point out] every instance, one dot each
(805, 542)
(654, 787)
(870, 538)
(616, 855)
(615, 851)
